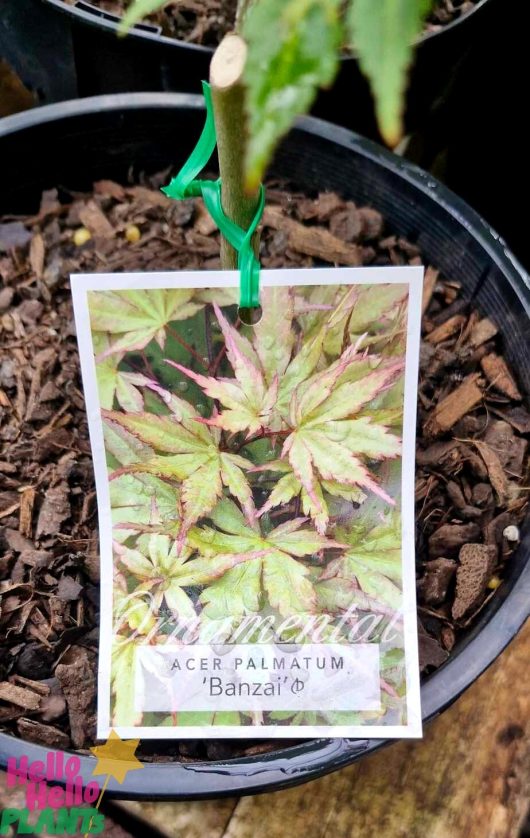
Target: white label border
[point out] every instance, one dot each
(408, 275)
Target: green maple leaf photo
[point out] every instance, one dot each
(269, 563)
(255, 479)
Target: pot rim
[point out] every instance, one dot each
(99, 19)
(312, 758)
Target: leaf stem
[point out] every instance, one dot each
(208, 334)
(186, 346)
(148, 366)
(261, 435)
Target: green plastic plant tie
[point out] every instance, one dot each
(186, 185)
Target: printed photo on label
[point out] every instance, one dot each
(255, 492)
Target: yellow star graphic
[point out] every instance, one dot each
(116, 757)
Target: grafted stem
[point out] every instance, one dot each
(242, 8)
(228, 97)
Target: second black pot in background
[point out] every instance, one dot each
(84, 37)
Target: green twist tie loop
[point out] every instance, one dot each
(186, 185)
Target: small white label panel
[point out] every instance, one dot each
(252, 677)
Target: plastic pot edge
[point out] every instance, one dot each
(100, 21)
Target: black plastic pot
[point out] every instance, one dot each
(103, 137)
(148, 60)
(38, 45)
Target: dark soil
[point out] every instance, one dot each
(446, 11)
(206, 21)
(471, 451)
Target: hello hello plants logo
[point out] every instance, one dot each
(69, 808)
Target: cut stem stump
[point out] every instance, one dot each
(228, 97)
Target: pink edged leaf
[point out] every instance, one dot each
(226, 391)
(244, 361)
(287, 586)
(238, 485)
(173, 467)
(163, 433)
(348, 398)
(135, 317)
(200, 492)
(301, 460)
(180, 408)
(292, 525)
(274, 335)
(204, 571)
(138, 564)
(235, 341)
(318, 389)
(285, 490)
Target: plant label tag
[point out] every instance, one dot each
(255, 492)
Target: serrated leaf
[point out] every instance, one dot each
(124, 446)
(140, 500)
(135, 317)
(377, 548)
(293, 50)
(164, 433)
(237, 484)
(373, 560)
(285, 544)
(228, 518)
(373, 314)
(376, 584)
(248, 398)
(115, 383)
(123, 685)
(190, 457)
(138, 609)
(299, 542)
(201, 490)
(287, 586)
(235, 594)
(383, 34)
(347, 398)
(273, 334)
(286, 488)
(335, 596)
(326, 442)
(139, 565)
(179, 602)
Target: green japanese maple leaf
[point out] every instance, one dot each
(184, 452)
(135, 317)
(269, 563)
(249, 397)
(379, 316)
(289, 486)
(372, 317)
(123, 672)
(141, 502)
(162, 568)
(328, 439)
(113, 383)
(131, 610)
(372, 560)
(265, 371)
(319, 410)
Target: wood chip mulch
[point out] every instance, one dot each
(471, 455)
